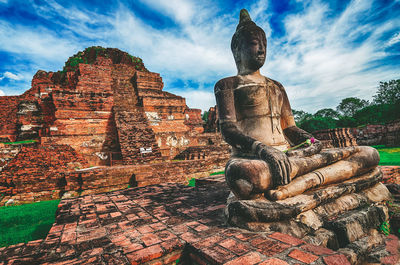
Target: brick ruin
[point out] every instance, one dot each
(338, 137)
(110, 110)
(370, 134)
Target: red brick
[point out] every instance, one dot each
(145, 229)
(217, 254)
(336, 260)
(303, 256)
(201, 227)
(158, 226)
(150, 239)
(235, 246)
(207, 242)
(286, 238)
(392, 246)
(172, 258)
(250, 258)
(171, 245)
(132, 247)
(274, 261)
(145, 254)
(245, 236)
(393, 259)
(271, 247)
(165, 235)
(190, 237)
(317, 250)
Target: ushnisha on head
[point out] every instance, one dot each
(248, 45)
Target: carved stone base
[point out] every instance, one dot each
(339, 216)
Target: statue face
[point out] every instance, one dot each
(252, 52)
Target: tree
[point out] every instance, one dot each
(349, 106)
(318, 123)
(327, 113)
(345, 122)
(300, 115)
(204, 116)
(388, 92)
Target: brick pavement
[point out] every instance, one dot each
(160, 224)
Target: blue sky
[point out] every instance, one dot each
(321, 51)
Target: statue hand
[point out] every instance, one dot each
(278, 161)
(315, 148)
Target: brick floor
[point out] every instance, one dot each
(159, 224)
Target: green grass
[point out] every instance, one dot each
(217, 173)
(26, 222)
(390, 156)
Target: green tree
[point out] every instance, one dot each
(377, 114)
(204, 116)
(346, 121)
(327, 113)
(388, 92)
(349, 106)
(318, 123)
(300, 115)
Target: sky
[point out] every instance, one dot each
(321, 51)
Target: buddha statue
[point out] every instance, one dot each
(256, 119)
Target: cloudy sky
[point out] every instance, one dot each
(321, 51)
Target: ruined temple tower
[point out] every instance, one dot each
(107, 106)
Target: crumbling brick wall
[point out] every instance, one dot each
(39, 168)
(339, 137)
(393, 133)
(8, 117)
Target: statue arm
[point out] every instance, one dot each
(278, 161)
(293, 133)
(227, 118)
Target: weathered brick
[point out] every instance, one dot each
(337, 259)
(235, 246)
(250, 258)
(303, 256)
(271, 247)
(286, 238)
(150, 239)
(274, 261)
(144, 255)
(317, 250)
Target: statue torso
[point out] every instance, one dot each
(258, 107)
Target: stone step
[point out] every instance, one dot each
(356, 224)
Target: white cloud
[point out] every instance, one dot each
(11, 76)
(2, 93)
(180, 10)
(395, 39)
(37, 43)
(198, 99)
(318, 62)
(197, 53)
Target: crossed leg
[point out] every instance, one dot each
(250, 178)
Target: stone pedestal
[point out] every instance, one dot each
(345, 216)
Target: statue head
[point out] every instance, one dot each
(248, 45)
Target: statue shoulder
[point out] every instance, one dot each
(276, 83)
(226, 83)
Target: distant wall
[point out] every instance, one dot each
(41, 176)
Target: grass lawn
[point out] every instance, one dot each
(26, 222)
(390, 156)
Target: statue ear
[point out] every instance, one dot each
(244, 16)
